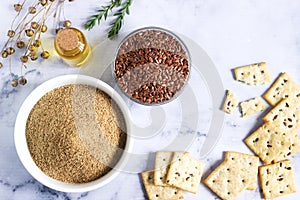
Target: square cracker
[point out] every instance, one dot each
(159, 192)
(254, 74)
(277, 179)
(185, 172)
(285, 115)
(245, 162)
(229, 179)
(230, 103)
(272, 145)
(283, 87)
(163, 160)
(252, 106)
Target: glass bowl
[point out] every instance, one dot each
(151, 66)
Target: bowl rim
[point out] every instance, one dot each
(20, 133)
(176, 37)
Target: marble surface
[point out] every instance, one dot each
(233, 33)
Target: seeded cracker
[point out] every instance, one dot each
(252, 106)
(231, 102)
(277, 179)
(159, 192)
(254, 74)
(233, 176)
(283, 87)
(163, 160)
(272, 145)
(185, 172)
(250, 164)
(285, 115)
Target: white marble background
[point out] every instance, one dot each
(232, 32)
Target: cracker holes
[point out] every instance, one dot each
(281, 192)
(250, 163)
(243, 180)
(157, 195)
(262, 71)
(228, 169)
(161, 178)
(213, 181)
(228, 193)
(175, 192)
(228, 181)
(164, 159)
(256, 140)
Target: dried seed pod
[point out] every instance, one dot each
(10, 50)
(22, 80)
(14, 83)
(18, 7)
(24, 59)
(29, 32)
(11, 33)
(37, 43)
(32, 48)
(4, 54)
(33, 57)
(34, 25)
(44, 28)
(67, 23)
(45, 54)
(1, 65)
(20, 44)
(32, 10)
(43, 2)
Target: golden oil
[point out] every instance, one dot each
(72, 46)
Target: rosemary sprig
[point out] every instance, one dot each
(103, 13)
(117, 24)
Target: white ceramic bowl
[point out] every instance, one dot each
(20, 135)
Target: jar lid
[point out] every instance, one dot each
(67, 39)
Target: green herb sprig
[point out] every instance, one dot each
(116, 25)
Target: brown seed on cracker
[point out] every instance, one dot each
(250, 164)
(163, 160)
(271, 144)
(185, 172)
(234, 175)
(252, 106)
(254, 74)
(159, 192)
(283, 87)
(277, 179)
(230, 103)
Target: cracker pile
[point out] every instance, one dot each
(235, 174)
(277, 139)
(174, 172)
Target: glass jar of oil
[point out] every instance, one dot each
(71, 45)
